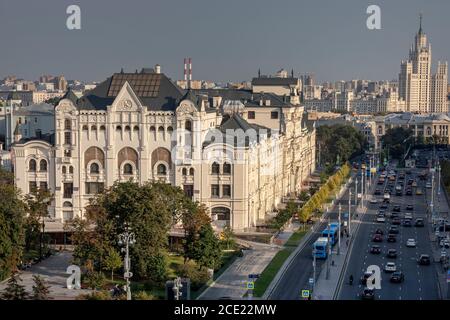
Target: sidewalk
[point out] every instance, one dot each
(53, 271)
(326, 288)
(232, 282)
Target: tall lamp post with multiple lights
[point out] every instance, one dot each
(126, 239)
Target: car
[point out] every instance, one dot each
(390, 267)
(393, 230)
(419, 192)
(392, 253)
(411, 243)
(368, 294)
(428, 185)
(409, 207)
(377, 238)
(397, 208)
(377, 192)
(375, 249)
(419, 222)
(396, 221)
(444, 243)
(409, 192)
(384, 205)
(398, 193)
(397, 277)
(379, 231)
(407, 223)
(410, 181)
(380, 219)
(373, 201)
(424, 260)
(364, 278)
(391, 238)
(414, 184)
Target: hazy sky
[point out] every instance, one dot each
(227, 40)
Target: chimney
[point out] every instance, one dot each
(190, 69)
(185, 69)
(158, 69)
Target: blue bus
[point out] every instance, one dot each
(320, 248)
(333, 231)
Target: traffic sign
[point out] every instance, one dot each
(305, 294)
(311, 280)
(250, 285)
(253, 276)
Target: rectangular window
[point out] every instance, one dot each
(251, 115)
(274, 115)
(214, 191)
(189, 190)
(68, 190)
(67, 153)
(226, 190)
(43, 185)
(94, 187)
(67, 215)
(67, 138)
(33, 186)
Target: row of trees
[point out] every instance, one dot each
(338, 143)
(19, 223)
(16, 291)
(150, 210)
(314, 204)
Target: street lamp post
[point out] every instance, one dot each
(314, 270)
(349, 210)
(127, 238)
(339, 231)
(328, 251)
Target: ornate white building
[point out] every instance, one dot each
(236, 151)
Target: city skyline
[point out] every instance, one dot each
(301, 47)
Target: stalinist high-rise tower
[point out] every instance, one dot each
(422, 92)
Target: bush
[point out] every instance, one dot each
(96, 295)
(142, 295)
(95, 280)
(198, 277)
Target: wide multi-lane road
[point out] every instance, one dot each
(420, 281)
(297, 274)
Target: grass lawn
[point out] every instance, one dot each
(274, 266)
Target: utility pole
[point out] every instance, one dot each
(127, 238)
(356, 192)
(339, 231)
(328, 251)
(349, 210)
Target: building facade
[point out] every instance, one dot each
(237, 151)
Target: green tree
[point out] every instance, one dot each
(14, 290)
(12, 235)
(207, 248)
(228, 239)
(40, 288)
(397, 140)
(113, 261)
(193, 219)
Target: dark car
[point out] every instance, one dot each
(397, 208)
(379, 231)
(392, 238)
(392, 253)
(419, 222)
(409, 207)
(393, 230)
(407, 223)
(377, 238)
(364, 278)
(424, 260)
(384, 205)
(375, 249)
(409, 192)
(368, 294)
(398, 193)
(396, 221)
(397, 277)
(377, 192)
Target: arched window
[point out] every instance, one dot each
(184, 171)
(127, 128)
(71, 170)
(161, 129)
(67, 124)
(119, 128)
(152, 129)
(215, 168)
(169, 130)
(85, 128)
(191, 171)
(226, 168)
(67, 204)
(43, 165)
(102, 128)
(32, 165)
(136, 128)
(94, 168)
(94, 128)
(127, 169)
(64, 170)
(161, 169)
(188, 125)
